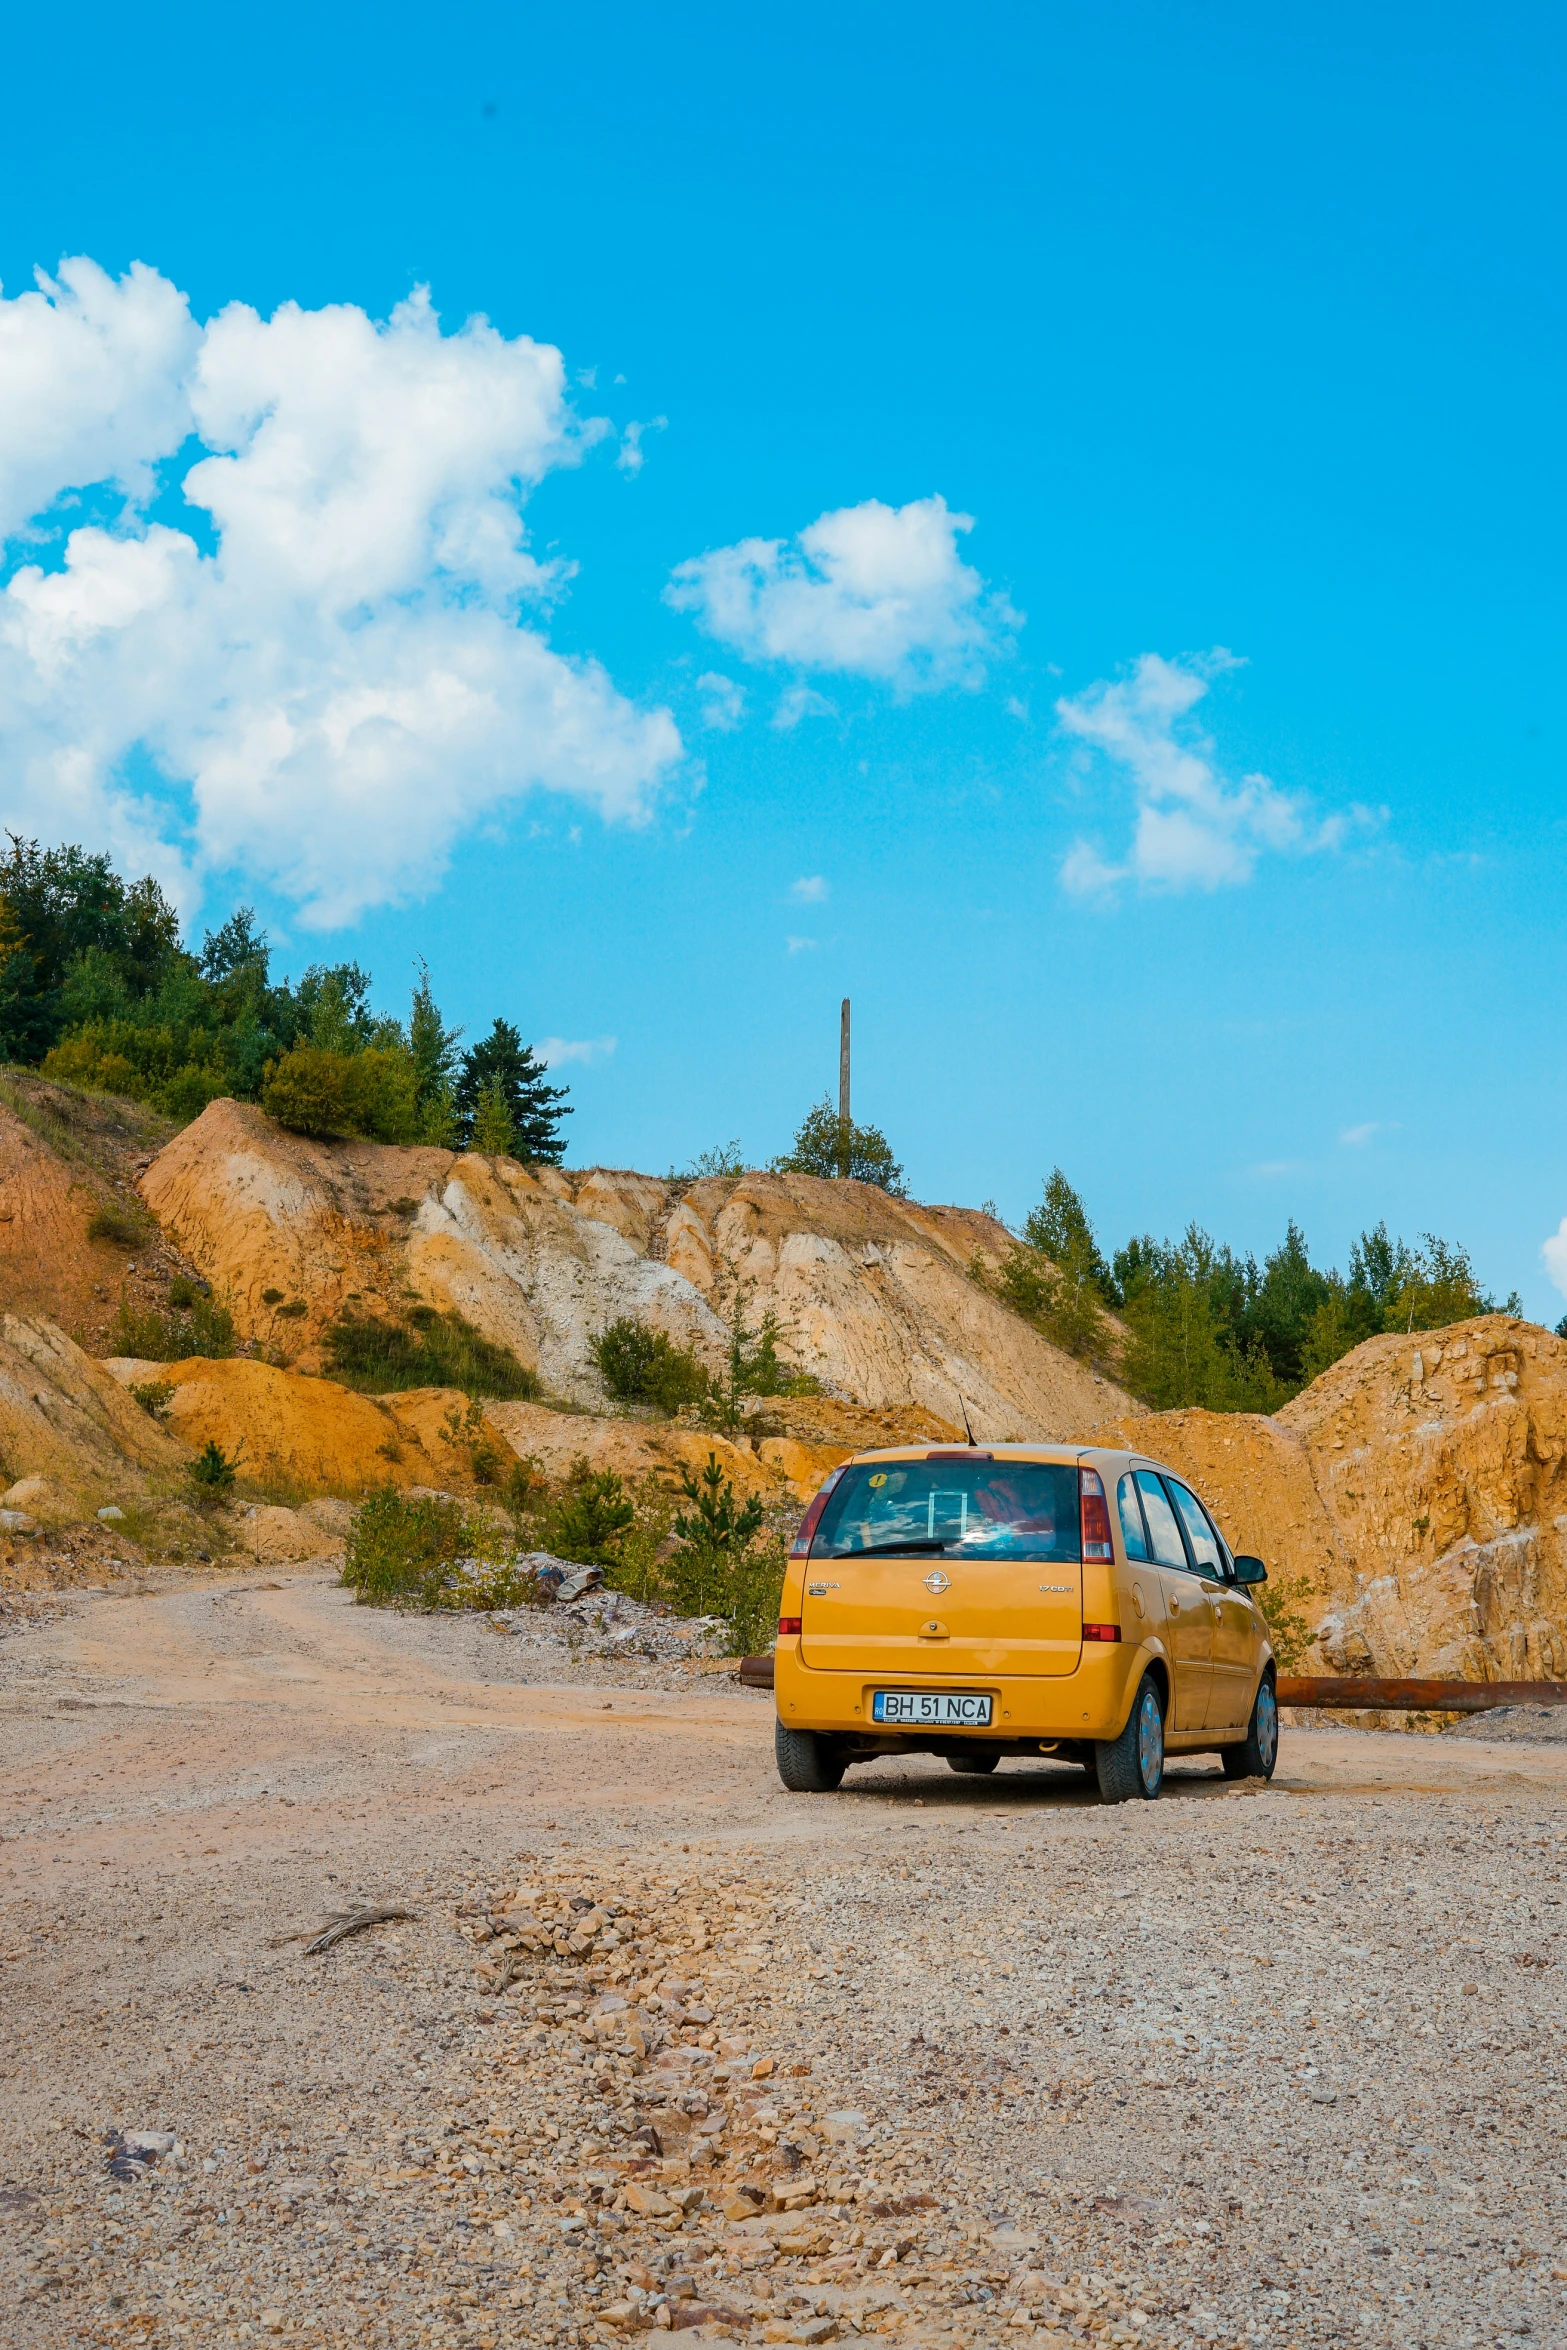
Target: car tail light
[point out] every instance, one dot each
(800, 1547)
(1096, 1517)
(789, 1627)
(1101, 1631)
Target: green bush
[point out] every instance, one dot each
(426, 1349)
(826, 1144)
(206, 1328)
(406, 1554)
(590, 1522)
(639, 1365)
(373, 1092)
(212, 1472)
(154, 1396)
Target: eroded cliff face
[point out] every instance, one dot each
(1419, 1487)
(873, 1295)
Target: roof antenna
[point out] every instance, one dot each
(967, 1427)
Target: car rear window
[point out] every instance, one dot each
(953, 1508)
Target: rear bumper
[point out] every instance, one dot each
(1091, 1703)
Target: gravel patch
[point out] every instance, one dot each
(664, 2049)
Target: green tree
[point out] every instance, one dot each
(834, 1147)
(493, 1132)
(1060, 1230)
(1291, 1294)
(319, 1092)
(713, 1538)
(1183, 1346)
(593, 1517)
(534, 1106)
(433, 1047)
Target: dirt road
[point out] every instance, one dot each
(1241, 2066)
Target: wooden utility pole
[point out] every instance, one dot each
(845, 1128)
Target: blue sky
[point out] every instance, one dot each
(1227, 330)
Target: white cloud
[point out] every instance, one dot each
(555, 1051)
(723, 707)
(810, 890)
(632, 455)
(800, 701)
(1356, 1137)
(1555, 1254)
(345, 684)
(92, 385)
(869, 591)
(1193, 827)
(800, 946)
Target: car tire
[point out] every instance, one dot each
(1256, 1757)
(973, 1766)
(1133, 1764)
(807, 1764)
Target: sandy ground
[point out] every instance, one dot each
(1247, 2065)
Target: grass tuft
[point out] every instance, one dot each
(424, 1349)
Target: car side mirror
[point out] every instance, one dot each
(1250, 1570)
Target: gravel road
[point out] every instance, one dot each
(666, 2048)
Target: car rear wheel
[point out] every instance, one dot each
(1133, 1764)
(1256, 1758)
(976, 1766)
(807, 1764)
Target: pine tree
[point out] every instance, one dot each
(531, 1102)
(433, 1047)
(493, 1132)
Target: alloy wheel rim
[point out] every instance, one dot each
(1150, 1741)
(1267, 1722)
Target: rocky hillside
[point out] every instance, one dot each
(873, 1295)
(1419, 1490)
(1416, 1494)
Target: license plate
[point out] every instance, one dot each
(940, 1709)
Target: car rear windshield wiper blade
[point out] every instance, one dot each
(911, 1542)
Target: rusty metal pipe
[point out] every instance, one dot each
(1365, 1694)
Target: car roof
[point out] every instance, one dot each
(1062, 1451)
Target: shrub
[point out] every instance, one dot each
(207, 1328)
(154, 1396)
(212, 1472)
(826, 1144)
(494, 1134)
(639, 1365)
(312, 1090)
(407, 1553)
(716, 1568)
(425, 1349)
(593, 1517)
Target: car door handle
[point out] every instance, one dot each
(1175, 1605)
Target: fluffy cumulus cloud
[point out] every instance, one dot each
(1192, 827)
(349, 667)
(870, 591)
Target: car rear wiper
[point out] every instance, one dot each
(912, 1542)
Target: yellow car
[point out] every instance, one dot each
(1048, 1600)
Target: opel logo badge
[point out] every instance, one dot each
(938, 1582)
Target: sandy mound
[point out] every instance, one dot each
(66, 1423)
(307, 1432)
(1419, 1485)
(81, 1156)
(873, 1294)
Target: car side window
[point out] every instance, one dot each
(1132, 1534)
(1204, 1542)
(1168, 1547)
